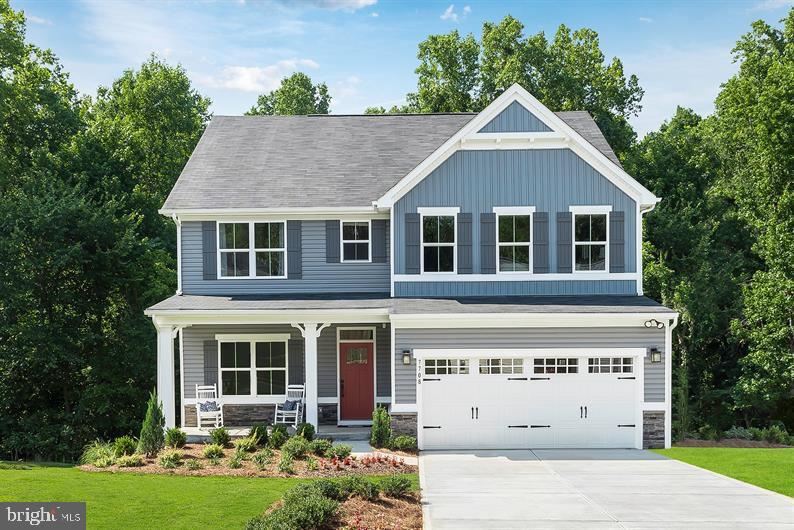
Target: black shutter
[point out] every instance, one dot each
(297, 368)
(209, 250)
(211, 363)
(540, 243)
(488, 243)
(294, 251)
(564, 242)
(332, 241)
(412, 243)
(464, 244)
(617, 242)
(379, 238)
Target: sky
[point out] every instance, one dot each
(365, 50)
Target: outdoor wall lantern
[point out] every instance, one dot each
(656, 355)
(406, 357)
(653, 323)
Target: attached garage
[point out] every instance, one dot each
(544, 398)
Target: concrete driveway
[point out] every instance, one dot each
(588, 489)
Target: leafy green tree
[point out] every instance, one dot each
(297, 95)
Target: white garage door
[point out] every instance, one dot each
(535, 402)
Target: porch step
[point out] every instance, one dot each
(340, 433)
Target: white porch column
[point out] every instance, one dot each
(165, 372)
(310, 332)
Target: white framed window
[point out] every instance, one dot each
(590, 238)
(557, 365)
(439, 235)
(613, 365)
(252, 249)
(356, 241)
(502, 366)
(446, 366)
(514, 238)
(253, 365)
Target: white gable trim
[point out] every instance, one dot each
(562, 135)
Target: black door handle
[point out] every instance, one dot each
(477, 410)
(581, 412)
(472, 413)
(585, 411)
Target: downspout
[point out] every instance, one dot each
(178, 253)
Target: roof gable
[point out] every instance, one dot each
(515, 118)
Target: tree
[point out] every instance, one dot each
(296, 95)
(152, 437)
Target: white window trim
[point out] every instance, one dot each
(589, 210)
(252, 340)
(251, 250)
(513, 211)
(438, 212)
(342, 241)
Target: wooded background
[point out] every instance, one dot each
(83, 250)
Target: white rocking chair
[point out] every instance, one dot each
(207, 397)
(294, 415)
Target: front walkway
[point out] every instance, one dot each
(589, 489)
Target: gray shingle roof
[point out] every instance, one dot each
(502, 304)
(318, 161)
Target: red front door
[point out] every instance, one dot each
(356, 385)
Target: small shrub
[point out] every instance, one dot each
(277, 437)
(213, 451)
(776, 435)
(403, 443)
(96, 450)
(130, 461)
(262, 458)
(285, 465)
(311, 464)
(236, 461)
(124, 445)
(193, 464)
(319, 446)
(220, 436)
(756, 433)
(247, 444)
(170, 459)
(328, 488)
(355, 485)
(296, 447)
(707, 432)
(739, 432)
(339, 451)
(104, 461)
(306, 431)
(259, 431)
(299, 511)
(395, 485)
(381, 428)
(214, 460)
(175, 437)
(151, 440)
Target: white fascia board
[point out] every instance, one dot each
(234, 214)
(469, 135)
(176, 317)
(248, 337)
(522, 320)
(473, 353)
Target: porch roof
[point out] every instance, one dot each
(383, 304)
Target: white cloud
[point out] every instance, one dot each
(449, 13)
(771, 5)
(343, 5)
(671, 77)
(38, 20)
(375, 14)
(647, 20)
(255, 78)
(466, 10)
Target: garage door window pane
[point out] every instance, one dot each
(446, 366)
(501, 366)
(556, 366)
(606, 365)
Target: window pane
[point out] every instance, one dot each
(430, 229)
(582, 227)
(228, 383)
(356, 251)
(506, 229)
(269, 235)
(357, 334)
(355, 231)
(446, 229)
(234, 235)
(243, 354)
(271, 382)
(582, 257)
(431, 259)
(522, 229)
(243, 382)
(506, 258)
(446, 259)
(234, 263)
(270, 263)
(278, 354)
(227, 355)
(598, 228)
(521, 258)
(598, 257)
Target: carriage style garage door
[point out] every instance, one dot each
(548, 400)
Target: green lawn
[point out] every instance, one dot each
(127, 500)
(768, 468)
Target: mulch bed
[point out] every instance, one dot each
(326, 467)
(727, 442)
(383, 514)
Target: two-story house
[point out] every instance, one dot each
(480, 274)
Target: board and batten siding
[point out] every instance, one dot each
(410, 339)
(551, 180)
(327, 355)
(318, 276)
